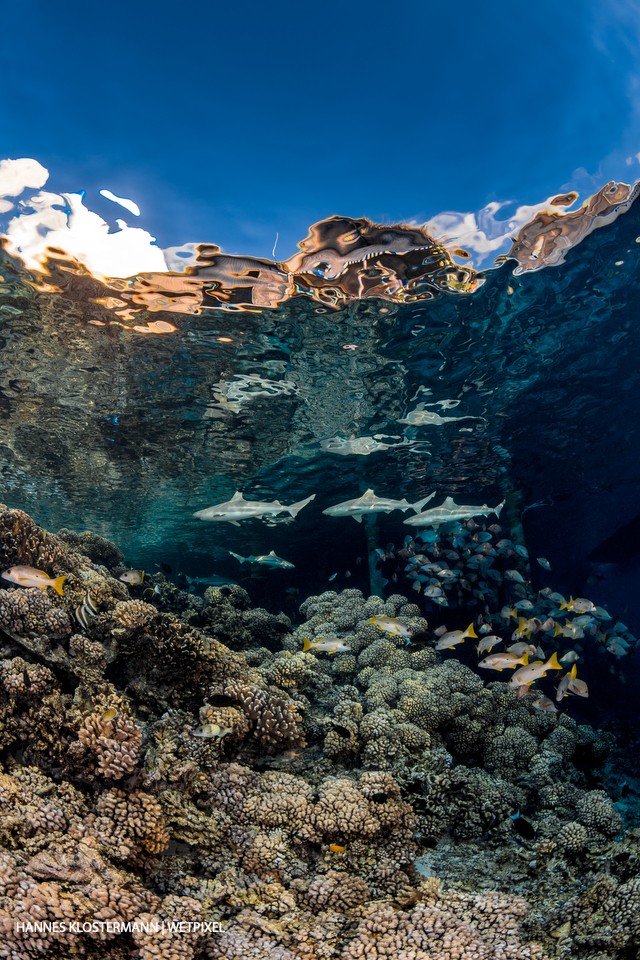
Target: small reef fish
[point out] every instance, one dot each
(482, 537)
(519, 648)
(133, 577)
(267, 560)
(509, 613)
(617, 646)
(579, 605)
(531, 672)
(578, 687)
(514, 576)
(571, 684)
(505, 546)
(584, 620)
(369, 503)
(433, 591)
(486, 644)
(504, 661)
(31, 577)
(208, 731)
(324, 645)
(522, 630)
(544, 704)
(236, 509)
(569, 657)
(390, 625)
(562, 689)
(544, 563)
(451, 639)
(571, 630)
(601, 613)
(450, 511)
(337, 848)
(86, 611)
(109, 714)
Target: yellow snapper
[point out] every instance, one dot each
(563, 687)
(571, 630)
(571, 684)
(486, 644)
(508, 613)
(504, 661)
(325, 645)
(578, 687)
(519, 648)
(534, 671)
(571, 656)
(579, 605)
(390, 625)
(544, 704)
(524, 628)
(617, 646)
(31, 577)
(451, 639)
(134, 577)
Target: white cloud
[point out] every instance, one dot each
(16, 176)
(483, 233)
(50, 220)
(127, 204)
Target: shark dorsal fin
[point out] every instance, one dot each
(449, 502)
(272, 553)
(368, 494)
(237, 496)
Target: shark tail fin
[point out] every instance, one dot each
(419, 504)
(295, 508)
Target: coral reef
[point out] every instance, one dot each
(175, 761)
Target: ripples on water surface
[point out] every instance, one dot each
(374, 357)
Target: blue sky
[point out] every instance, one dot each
(229, 122)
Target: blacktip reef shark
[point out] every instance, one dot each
(236, 509)
(369, 503)
(449, 511)
(267, 560)
(420, 417)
